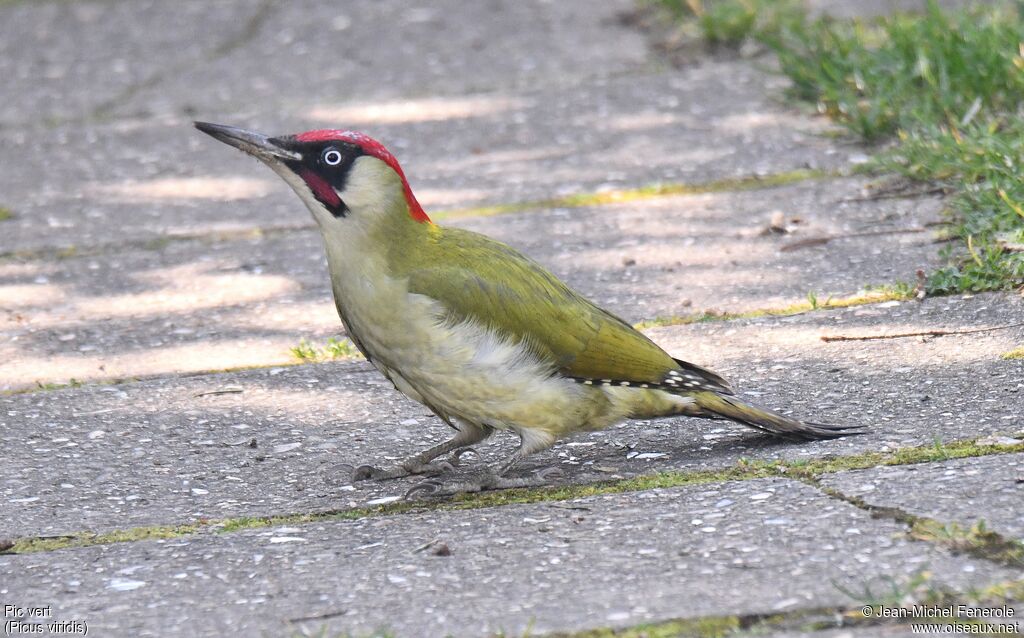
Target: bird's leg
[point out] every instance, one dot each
(493, 479)
(422, 463)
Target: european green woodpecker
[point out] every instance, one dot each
(483, 336)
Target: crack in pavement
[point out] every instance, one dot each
(978, 542)
(743, 471)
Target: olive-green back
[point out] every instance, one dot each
(488, 282)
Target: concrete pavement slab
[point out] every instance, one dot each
(187, 307)
(276, 441)
(84, 60)
(208, 305)
(104, 60)
(601, 561)
(964, 491)
(82, 185)
(551, 98)
(320, 51)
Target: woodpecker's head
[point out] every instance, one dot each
(347, 180)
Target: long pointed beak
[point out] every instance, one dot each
(255, 144)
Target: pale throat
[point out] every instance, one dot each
(361, 244)
(361, 277)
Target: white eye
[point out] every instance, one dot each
(332, 157)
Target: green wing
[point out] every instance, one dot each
(488, 282)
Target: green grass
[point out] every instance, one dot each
(977, 540)
(1016, 353)
(332, 350)
(983, 162)
(945, 89)
(6, 213)
(48, 386)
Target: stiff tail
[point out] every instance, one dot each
(715, 405)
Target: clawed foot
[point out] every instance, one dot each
(371, 473)
(478, 482)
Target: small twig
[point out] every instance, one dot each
(426, 546)
(56, 537)
(228, 390)
(924, 333)
(323, 616)
(569, 507)
(824, 239)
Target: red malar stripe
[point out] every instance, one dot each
(323, 191)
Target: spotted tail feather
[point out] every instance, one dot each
(729, 407)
